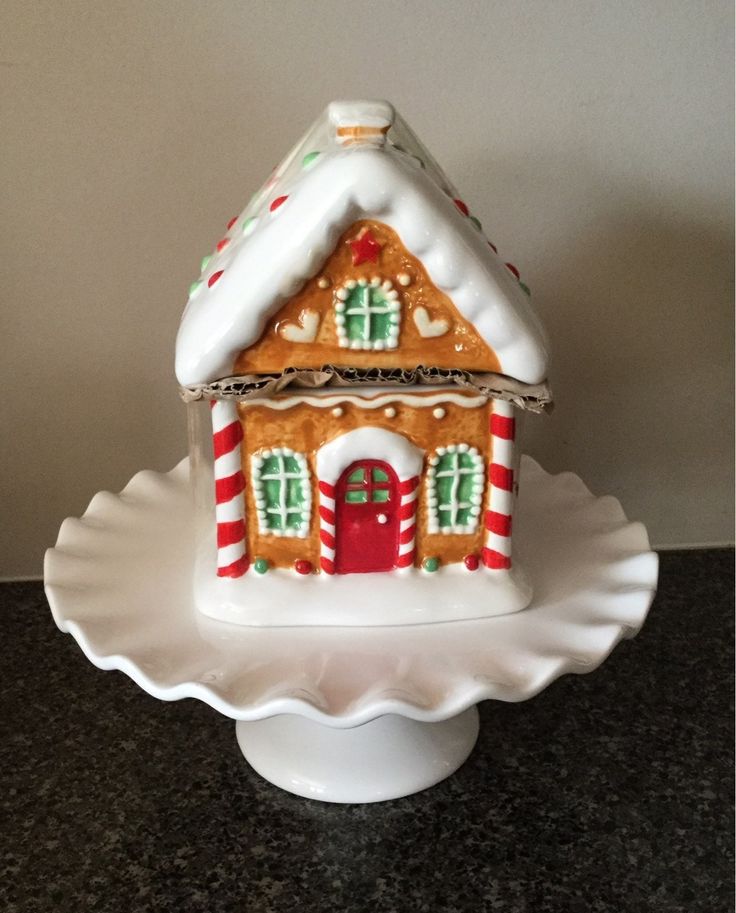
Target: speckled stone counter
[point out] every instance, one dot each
(608, 792)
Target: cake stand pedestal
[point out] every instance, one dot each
(389, 757)
(346, 714)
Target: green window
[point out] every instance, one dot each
(455, 483)
(368, 484)
(367, 314)
(282, 492)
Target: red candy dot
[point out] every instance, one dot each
(232, 222)
(513, 269)
(462, 207)
(221, 245)
(214, 277)
(471, 562)
(277, 202)
(493, 247)
(302, 566)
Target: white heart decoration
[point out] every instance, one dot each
(303, 331)
(429, 327)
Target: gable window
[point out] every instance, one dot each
(367, 314)
(455, 483)
(282, 492)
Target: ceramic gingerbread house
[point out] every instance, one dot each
(362, 352)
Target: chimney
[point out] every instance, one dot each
(361, 121)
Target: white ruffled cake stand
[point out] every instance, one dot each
(336, 713)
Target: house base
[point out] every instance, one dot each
(283, 598)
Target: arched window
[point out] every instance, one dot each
(455, 483)
(367, 314)
(282, 491)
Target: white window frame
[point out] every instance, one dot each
(365, 308)
(477, 470)
(262, 509)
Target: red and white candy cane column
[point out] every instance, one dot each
(327, 527)
(227, 436)
(408, 489)
(496, 553)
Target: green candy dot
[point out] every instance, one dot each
(260, 565)
(249, 225)
(194, 286)
(476, 222)
(431, 564)
(205, 260)
(525, 288)
(310, 158)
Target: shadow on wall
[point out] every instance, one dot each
(636, 293)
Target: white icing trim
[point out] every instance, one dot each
(427, 327)
(326, 400)
(476, 499)
(367, 309)
(368, 444)
(266, 269)
(256, 462)
(302, 330)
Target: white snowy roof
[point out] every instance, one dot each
(292, 225)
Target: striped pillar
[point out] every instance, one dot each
(407, 522)
(327, 527)
(227, 435)
(496, 553)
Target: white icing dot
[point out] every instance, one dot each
(389, 412)
(337, 411)
(404, 279)
(439, 412)
(323, 282)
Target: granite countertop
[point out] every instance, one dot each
(607, 792)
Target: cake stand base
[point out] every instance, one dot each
(390, 757)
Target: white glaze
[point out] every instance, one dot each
(429, 328)
(329, 397)
(289, 245)
(368, 444)
(303, 331)
(385, 759)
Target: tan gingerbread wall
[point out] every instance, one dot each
(459, 347)
(305, 428)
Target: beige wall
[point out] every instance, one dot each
(592, 138)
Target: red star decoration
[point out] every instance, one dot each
(365, 248)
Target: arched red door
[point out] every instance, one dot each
(366, 518)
